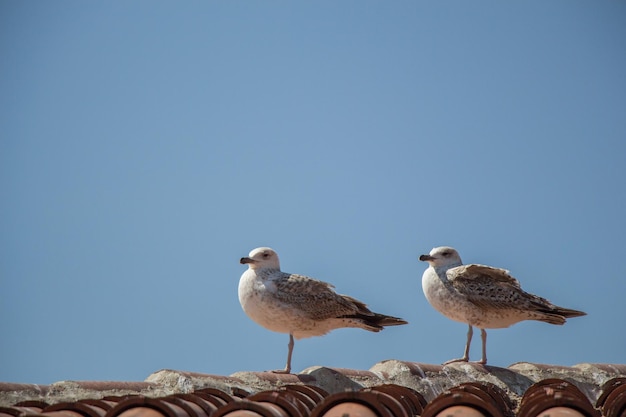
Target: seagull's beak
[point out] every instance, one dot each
(426, 258)
(246, 261)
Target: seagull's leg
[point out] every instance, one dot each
(290, 345)
(483, 336)
(465, 358)
(287, 369)
(470, 333)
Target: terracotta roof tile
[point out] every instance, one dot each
(411, 399)
(555, 393)
(389, 389)
(612, 401)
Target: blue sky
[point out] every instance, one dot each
(146, 146)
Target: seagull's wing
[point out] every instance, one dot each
(490, 287)
(486, 286)
(316, 299)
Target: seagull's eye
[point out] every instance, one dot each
(446, 253)
(266, 255)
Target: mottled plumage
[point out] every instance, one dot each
(482, 296)
(299, 305)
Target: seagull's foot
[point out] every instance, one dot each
(463, 359)
(480, 362)
(282, 371)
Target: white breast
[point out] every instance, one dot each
(455, 306)
(257, 299)
(447, 301)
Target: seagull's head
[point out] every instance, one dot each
(261, 258)
(442, 256)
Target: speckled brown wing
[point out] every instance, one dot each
(486, 286)
(316, 299)
(494, 288)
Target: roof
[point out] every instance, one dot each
(389, 389)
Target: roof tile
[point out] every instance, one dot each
(389, 389)
(612, 401)
(364, 403)
(552, 393)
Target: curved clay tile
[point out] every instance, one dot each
(149, 407)
(612, 401)
(411, 399)
(247, 408)
(555, 395)
(286, 400)
(364, 403)
(473, 398)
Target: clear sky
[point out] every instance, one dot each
(146, 146)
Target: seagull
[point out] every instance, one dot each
(299, 305)
(482, 296)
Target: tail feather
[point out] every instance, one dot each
(383, 320)
(376, 322)
(551, 318)
(373, 321)
(568, 313)
(558, 315)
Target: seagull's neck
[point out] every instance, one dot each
(265, 273)
(442, 269)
